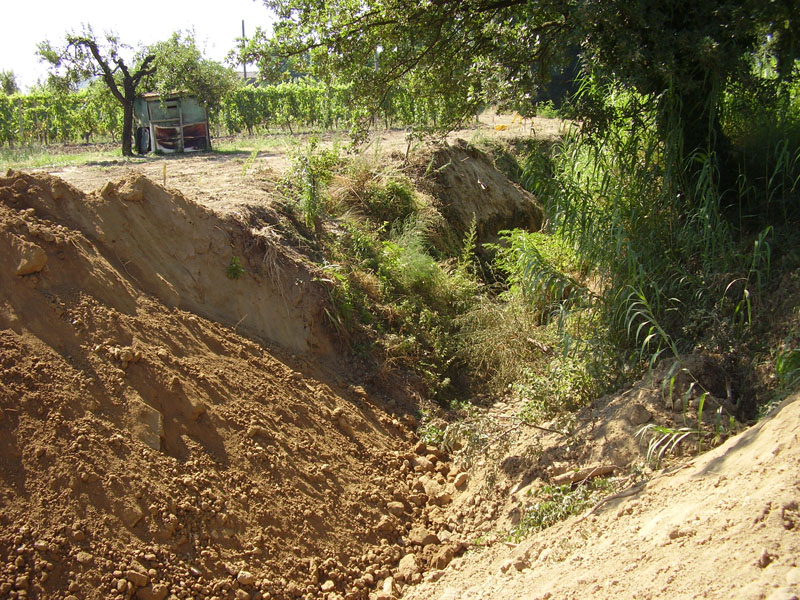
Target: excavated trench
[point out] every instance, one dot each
(177, 419)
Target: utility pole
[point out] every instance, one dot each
(244, 64)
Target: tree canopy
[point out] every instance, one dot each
(180, 66)
(503, 51)
(8, 83)
(273, 68)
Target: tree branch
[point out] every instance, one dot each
(144, 70)
(108, 74)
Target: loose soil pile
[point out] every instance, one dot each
(146, 449)
(469, 190)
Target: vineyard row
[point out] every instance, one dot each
(49, 117)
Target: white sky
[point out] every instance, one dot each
(25, 23)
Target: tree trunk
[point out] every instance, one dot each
(700, 147)
(703, 134)
(127, 128)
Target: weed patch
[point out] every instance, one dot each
(554, 503)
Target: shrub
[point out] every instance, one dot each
(307, 179)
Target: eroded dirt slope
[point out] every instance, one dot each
(159, 243)
(723, 525)
(147, 450)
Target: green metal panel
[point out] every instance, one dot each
(163, 111)
(192, 111)
(140, 112)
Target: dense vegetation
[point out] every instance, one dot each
(671, 209)
(49, 116)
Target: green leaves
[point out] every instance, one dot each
(787, 367)
(308, 178)
(235, 270)
(459, 53)
(51, 116)
(555, 503)
(181, 67)
(8, 83)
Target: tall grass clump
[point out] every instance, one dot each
(519, 340)
(659, 257)
(394, 294)
(311, 170)
(383, 195)
(764, 125)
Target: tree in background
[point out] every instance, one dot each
(84, 56)
(273, 68)
(679, 54)
(8, 83)
(179, 66)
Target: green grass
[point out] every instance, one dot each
(35, 157)
(281, 142)
(246, 145)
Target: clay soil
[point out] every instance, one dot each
(172, 429)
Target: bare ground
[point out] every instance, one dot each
(167, 431)
(225, 182)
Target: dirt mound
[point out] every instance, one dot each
(147, 450)
(469, 187)
(180, 252)
(723, 525)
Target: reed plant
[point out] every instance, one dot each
(660, 256)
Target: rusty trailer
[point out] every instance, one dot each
(168, 124)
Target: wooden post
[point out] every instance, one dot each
(21, 122)
(180, 124)
(244, 63)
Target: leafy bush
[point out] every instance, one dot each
(547, 110)
(564, 385)
(308, 178)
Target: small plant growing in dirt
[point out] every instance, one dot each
(430, 432)
(235, 269)
(787, 367)
(547, 110)
(308, 178)
(556, 503)
(787, 371)
(248, 164)
(665, 440)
